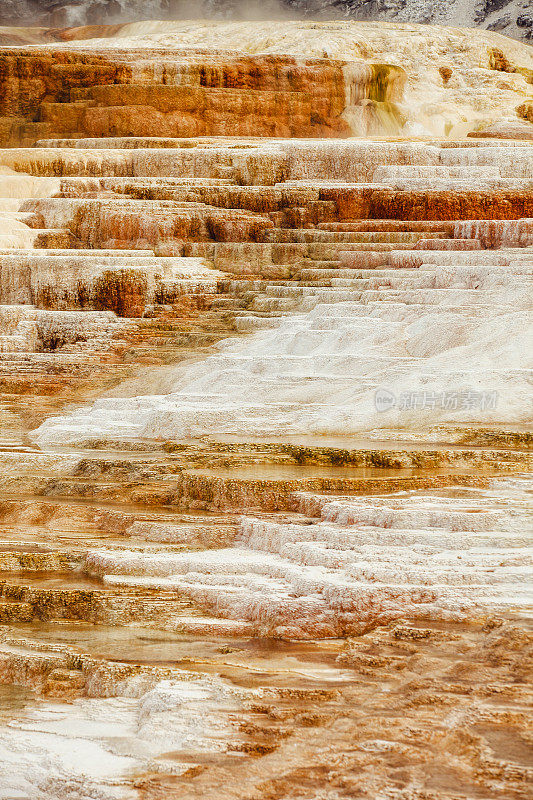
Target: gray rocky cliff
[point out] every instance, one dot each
(510, 17)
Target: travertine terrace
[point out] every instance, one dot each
(265, 315)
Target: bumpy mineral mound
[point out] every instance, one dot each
(458, 80)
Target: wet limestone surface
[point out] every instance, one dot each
(265, 446)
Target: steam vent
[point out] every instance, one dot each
(265, 339)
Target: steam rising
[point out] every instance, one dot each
(511, 17)
(71, 13)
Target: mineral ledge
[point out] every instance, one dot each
(265, 317)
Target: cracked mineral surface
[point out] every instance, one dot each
(265, 406)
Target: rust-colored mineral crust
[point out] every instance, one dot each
(73, 94)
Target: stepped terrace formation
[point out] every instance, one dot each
(265, 496)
